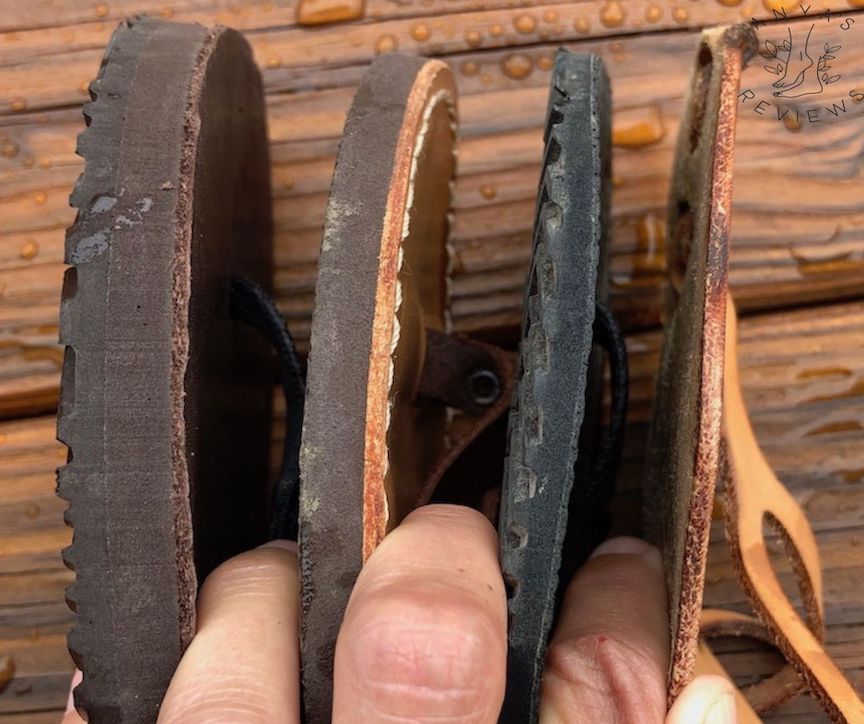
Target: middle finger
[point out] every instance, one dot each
(425, 632)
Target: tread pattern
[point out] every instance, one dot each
(78, 482)
(548, 407)
(156, 371)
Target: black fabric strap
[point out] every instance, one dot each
(252, 305)
(589, 519)
(608, 335)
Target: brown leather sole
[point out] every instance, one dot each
(368, 445)
(683, 457)
(165, 399)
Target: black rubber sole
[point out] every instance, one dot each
(165, 399)
(566, 280)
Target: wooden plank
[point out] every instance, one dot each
(799, 243)
(813, 172)
(801, 373)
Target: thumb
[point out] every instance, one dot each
(706, 700)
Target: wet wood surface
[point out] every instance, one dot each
(797, 266)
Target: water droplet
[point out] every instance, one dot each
(486, 79)
(730, 3)
(32, 511)
(473, 38)
(29, 249)
(617, 181)
(832, 427)
(680, 15)
(40, 198)
(545, 62)
(101, 10)
(469, 68)
(649, 257)
(517, 66)
(28, 161)
(817, 372)
(853, 476)
(274, 62)
(525, 24)
(488, 192)
(643, 131)
(10, 150)
(18, 105)
(386, 44)
(84, 87)
(792, 122)
(810, 263)
(68, 38)
(550, 16)
(612, 15)
(582, 25)
(496, 30)
(167, 13)
(420, 32)
(7, 670)
(653, 13)
(781, 5)
(321, 12)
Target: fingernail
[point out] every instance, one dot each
(628, 545)
(723, 711)
(285, 545)
(622, 545)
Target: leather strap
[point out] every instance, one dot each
(765, 695)
(754, 497)
(450, 382)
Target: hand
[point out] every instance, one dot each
(424, 637)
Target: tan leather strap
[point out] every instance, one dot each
(754, 497)
(764, 695)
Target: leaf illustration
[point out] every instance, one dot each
(828, 57)
(827, 48)
(832, 79)
(786, 45)
(834, 48)
(771, 69)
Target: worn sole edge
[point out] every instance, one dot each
(330, 535)
(559, 315)
(101, 150)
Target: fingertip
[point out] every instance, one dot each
(445, 516)
(708, 699)
(243, 664)
(425, 629)
(610, 648)
(630, 546)
(285, 545)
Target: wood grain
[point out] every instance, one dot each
(800, 243)
(802, 374)
(798, 230)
